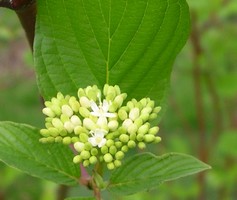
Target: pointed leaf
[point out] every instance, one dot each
(146, 171)
(20, 148)
(131, 43)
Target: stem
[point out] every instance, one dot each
(62, 192)
(203, 153)
(26, 12)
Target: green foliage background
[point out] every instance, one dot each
(216, 21)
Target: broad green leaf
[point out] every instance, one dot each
(146, 171)
(132, 43)
(20, 148)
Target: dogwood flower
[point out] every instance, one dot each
(101, 110)
(97, 138)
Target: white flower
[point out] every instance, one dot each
(101, 111)
(97, 138)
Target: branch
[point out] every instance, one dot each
(26, 12)
(16, 5)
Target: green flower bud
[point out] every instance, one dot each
(92, 94)
(93, 160)
(66, 110)
(122, 114)
(134, 113)
(119, 100)
(88, 146)
(132, 136)
(105, 89)
(141, 145)
(132, 129)
(57, 123)
(50, 139)
(53, 132)
(81, 93)
(157, 139)
(117, 89)
(119, 155)
(83, 137)
(94, 151)
(140, 137)
(86, 163)
(151, 104)
(127, 123)
(55, 101)
(144, 117)
(56, 109)
(130, 105)
(48, 104)
(117, 163)
(153, 116)
(79, 146)
(124, 148)
(74, 104)
(122, 130)
(131, 144)
(49, 119)
(157, 109)
(104, 149)
(48, 125)
(154, 130)
(146, 110)
(48, 112)
(113, 125)
(77, 159)
(110, 166)
(84, 112)
(75, 120)
(85, 154)
(58, 139)
(108, 158)
(89, 124)
(63, 132)
(60, 96)
(45, 132)
(74, 139)
(109, 143)
(85, 102)
(143, 129)
(149, 138)
(112, 150)
(64, 118)
(67, 140)
(43, 140)
(124, 138)
(69, 126)
(79, 129)
(138, 122)
(118, 144)
(143, 102)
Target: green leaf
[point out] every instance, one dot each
(80, 198)
(20, 148)
(146, 171)
(132, 43)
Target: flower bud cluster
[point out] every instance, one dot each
(99, 124)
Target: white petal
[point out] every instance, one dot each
(102, 143)
(94, 106)
(92, 140)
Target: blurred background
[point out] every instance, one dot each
(200, 118)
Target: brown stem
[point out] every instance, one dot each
(218, 119)
(62, 192)
(197, 51)
(26, 12)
